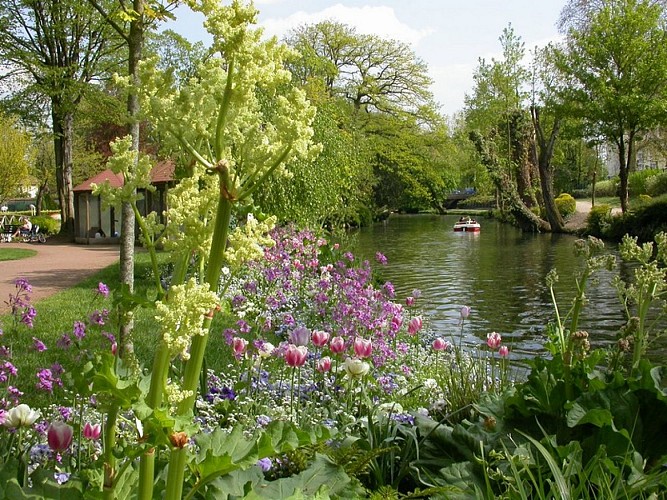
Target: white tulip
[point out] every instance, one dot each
(355, 367)
(20, 416)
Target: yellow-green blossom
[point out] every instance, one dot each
(181, 315)
(247, 242)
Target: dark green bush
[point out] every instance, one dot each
(643, 221)
(657, 185)
(47, 225)
(566, 205)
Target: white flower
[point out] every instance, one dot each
(355, 367)
(390, 408)
(265, 349)
(21, 416)
(430, 383)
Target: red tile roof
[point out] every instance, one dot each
(116, 180)
(162, 172)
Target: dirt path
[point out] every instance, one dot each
(55, 267)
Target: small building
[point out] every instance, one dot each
(93, 225)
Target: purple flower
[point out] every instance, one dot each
(79, 330)
(28, 316)
(300, 336)
(23, 285)
(38, 345)
(244, 327)
(380, 258)
(64, 342)
(102, 289)
(99, 317)
(264, 464)
(46, 380)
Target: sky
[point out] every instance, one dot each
(449, 36)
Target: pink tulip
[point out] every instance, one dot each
(415, 325)
(493, 340)
(295, 356)
(465, 312)
(324, 364)
(91, 431)
(239, 346)
(320, 338)
(337, 345)
(503, 351)
(409, 301)
(59, 436)
(440, 344)
(362, 347)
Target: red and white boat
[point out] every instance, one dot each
(467, 225)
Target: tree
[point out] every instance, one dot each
(372, 73)
(615, 68)
(15, 158)
(61, 46)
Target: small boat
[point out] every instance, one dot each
(467, 225)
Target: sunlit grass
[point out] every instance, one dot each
(8, 253)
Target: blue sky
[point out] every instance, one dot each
(450, 36)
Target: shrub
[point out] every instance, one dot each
(478, 201)
(566, 204)
(47, 225)
(598, 220)
(607, 188)
(657, 184)
(637, 181)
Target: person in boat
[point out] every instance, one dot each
(462, 220)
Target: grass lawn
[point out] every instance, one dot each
(8, 253)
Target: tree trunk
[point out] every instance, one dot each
(127, 224)
(624, 159)
(63, 128)
(513, 205)
(544, 157)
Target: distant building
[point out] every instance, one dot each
(94, 225)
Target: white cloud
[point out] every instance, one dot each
(381, 21)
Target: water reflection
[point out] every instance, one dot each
(499, 272)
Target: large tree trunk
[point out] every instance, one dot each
(63, 128)
(544, 157)
(511, 201)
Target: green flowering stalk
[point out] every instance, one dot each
(567, 342)
(241, 122)
(647, 287)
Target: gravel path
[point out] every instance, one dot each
(56, 267)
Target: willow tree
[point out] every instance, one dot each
(614, 62)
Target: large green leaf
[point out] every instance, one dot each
(309, 483)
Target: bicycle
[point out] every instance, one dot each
(32, 236)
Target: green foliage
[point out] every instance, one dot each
(15, 158)
(657, 184)
(607, 188)
(598, 220)
(566, 205)
(478, 201)
(47, 225)
(638, 181)
(644, 222)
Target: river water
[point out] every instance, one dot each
(499, 272)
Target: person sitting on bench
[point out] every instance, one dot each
(26, 227)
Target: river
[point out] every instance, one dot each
(499, 272)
